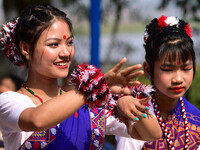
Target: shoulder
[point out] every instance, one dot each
(14, 98)
(11, 106)
(190, 107)
(193, 113)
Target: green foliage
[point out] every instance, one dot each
(194, 94)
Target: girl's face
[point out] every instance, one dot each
(172, 79)
(54, 51)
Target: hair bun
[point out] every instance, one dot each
(9, 47)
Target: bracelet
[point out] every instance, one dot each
(139, 92)
(91, 81)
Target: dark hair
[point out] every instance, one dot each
(15, 79)
(34, 20)
(169, 43)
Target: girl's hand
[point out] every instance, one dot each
(118, 80)
(131, 108)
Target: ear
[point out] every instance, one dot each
(146, 68)
(25, 49)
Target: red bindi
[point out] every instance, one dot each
(64, 36)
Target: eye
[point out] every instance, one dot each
(167, 69)
(53, 44)
(70, 42)
(187, 68)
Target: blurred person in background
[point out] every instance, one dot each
(10, 82)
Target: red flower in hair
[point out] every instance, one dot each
(188, 30)
(161, 22)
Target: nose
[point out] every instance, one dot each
(177, 77)
(65, 51)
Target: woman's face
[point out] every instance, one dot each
(54, 51)
(172, 79)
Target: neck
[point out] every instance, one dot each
(165, 104)
(43, 86)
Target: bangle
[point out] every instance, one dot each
(91, 81)
(139, 92)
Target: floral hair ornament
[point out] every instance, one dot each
(9, 47)
(164, 21)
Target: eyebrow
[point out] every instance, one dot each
(71, 36)
(171, 65)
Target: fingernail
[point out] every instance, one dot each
(136, 119)
(144, 115)
(146, 108)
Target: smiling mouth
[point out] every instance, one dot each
(61, 64)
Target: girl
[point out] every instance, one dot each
(35, 117)
(170, 65)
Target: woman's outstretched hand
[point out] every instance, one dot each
(118, 80)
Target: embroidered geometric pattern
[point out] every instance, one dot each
(98, 128)
(39, 140)
(177, 134)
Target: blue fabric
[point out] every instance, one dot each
(74, 133)
(193, 114)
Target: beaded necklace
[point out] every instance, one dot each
(29, 90)
(164, 128)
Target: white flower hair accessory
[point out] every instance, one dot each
(9, 47)
(164, 21)
(171, 21)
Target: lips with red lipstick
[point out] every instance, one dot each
(62, 64)
(177, 89)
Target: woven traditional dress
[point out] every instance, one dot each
(82, 131)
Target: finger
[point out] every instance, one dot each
(125, 91)
(128, 70)
(134, 75)
(144, 100)
(119, 65)
(137, 112)
(134, 83)
(130, 116)
(115, 89)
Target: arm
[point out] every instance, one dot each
(51, 112)
(148, 128)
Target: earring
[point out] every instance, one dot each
(149, 77)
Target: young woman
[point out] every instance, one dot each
(170, 65)
(42, 116)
